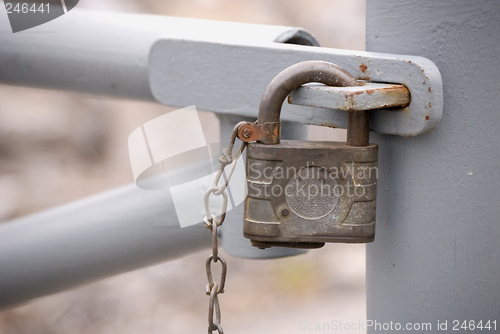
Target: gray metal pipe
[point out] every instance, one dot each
(108, 234)
(436, 255)
(91, 239)
(107, 53)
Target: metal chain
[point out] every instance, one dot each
(213, 288)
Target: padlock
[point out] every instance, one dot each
(303, 194)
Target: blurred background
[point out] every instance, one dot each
(56, 147)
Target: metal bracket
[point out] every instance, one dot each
(266, 133)
(231, 78)
(357, 98)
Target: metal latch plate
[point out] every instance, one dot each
(230, 78)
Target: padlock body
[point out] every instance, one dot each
(304, 193)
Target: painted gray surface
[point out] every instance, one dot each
(218, 66)
(231, 78)
(108, 234)
(436, 254)
(232, 230)
(91, 239)
(107, 53)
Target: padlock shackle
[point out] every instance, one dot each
(295, 76)
(267, 128)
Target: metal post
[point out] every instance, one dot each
(436, 255)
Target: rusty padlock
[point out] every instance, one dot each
(304, 193)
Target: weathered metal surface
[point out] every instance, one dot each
(358, 130)
(265, 132)
(368, 97)
(266, 129)
(278, 210)
(233, 241)
(186, 72)
(310, 192)
(295, 76)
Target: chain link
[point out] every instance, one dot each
(213, 289)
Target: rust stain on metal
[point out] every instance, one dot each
(329, 125)
(430, 105)
(430, 90)
(357, 98)
(267, 133)
(247, 133)
(349, 94)
(427, 117)
(273, 226)
(363, 67)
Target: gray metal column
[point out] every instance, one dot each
(436, 255)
